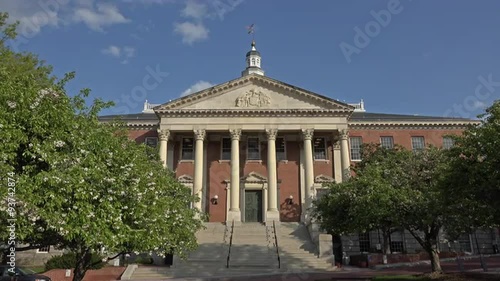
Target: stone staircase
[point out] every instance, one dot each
(253, 252)
(297, 250)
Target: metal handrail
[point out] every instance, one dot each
(276, 243)
(230, 244)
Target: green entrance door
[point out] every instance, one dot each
(253, 205)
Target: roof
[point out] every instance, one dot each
(130, 117)
(367, 117)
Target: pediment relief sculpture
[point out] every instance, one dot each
(253, 99)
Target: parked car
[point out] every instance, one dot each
(20, 274)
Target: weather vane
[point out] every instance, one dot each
(251, 30)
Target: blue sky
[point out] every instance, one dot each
(429, 58)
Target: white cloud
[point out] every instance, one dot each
(34, 16)
(195, 10)
(191, 32)
(124, 53)
(196, 87)
(31, 15)
(104, 15)
(112, 51)
(479, 105)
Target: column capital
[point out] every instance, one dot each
(271, 134)
(336, 144)
(235, 134)
(344, 134)
(307, 134)
(163, 134)
(200, 134)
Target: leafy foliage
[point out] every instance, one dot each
(80, 184)
(395, 189)
(476, 170)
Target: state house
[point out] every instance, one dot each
(256, 149)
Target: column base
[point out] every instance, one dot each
(233, 216)
(272, 216)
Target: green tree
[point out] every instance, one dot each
(365, 202)
(395, 188)
(476, 170)
(80, 184)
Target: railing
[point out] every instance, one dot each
(230, 244)
(358, 107)
(148, 107)
(225, 234)
(276, 243)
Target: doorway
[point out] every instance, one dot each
(253, 206)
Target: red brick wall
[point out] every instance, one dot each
(403, 137)
(140, 135)
(218, 172)
(289, 174)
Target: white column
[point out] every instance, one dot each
(344, 147)
(337, 160)
(234, 208)
(163, 135)
(307, 135)
(272, 213)
(198, 167)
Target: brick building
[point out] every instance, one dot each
(256, 149)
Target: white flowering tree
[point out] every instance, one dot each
(80, 184)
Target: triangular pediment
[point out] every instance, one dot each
(254, 92)
(185, 179)
(253, 177)
(323, 179)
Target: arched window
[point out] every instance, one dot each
(253, 61)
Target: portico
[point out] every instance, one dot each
(255, 133)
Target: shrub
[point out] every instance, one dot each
(144, 260)
(68, 261)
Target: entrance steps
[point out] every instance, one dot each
(253, 252)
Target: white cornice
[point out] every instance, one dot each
(253, 112)
(406, 125)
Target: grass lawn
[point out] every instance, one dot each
(37, 269)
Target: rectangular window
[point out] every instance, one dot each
(417, 143)
(448, 142)
(44, 249)
(226, 149)
(187, 149)
(397, 245)
(319, 148)
(253, 149)
(464, 243)
(356, 143)
(387, 142)
(151, 141)
(364, 242)
(280, 149)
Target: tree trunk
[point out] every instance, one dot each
(82, 264)
(435, 262)
(387, 241)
